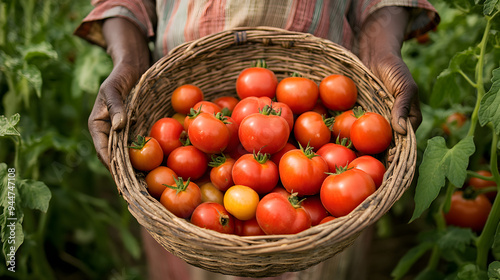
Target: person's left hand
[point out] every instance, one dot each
(381, 39)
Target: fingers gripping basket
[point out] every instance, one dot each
(213, 63)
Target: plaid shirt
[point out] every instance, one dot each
(172, 22)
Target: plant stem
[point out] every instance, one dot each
(485, 240)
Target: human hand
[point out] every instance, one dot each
(381, 39)
(129, 51)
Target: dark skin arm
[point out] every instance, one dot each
(128, 48)
(381, 40)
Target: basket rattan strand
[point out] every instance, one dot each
(213, 63)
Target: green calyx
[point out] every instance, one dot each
(260, 63)
(268, 110)
(295, 200)
(308, 151)
(217, 160)
(346, 142)
(261, 157)
(180, 185)
(329, 122)
(139, 143)
(358, 111)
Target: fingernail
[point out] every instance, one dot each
(402, 123)
(115, 122)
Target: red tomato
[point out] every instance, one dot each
(256, 81)
(207, 107)
(228, 102)
(336, 155)
(214, 216)
(168, 133)
(313, 129)
(321, 109)
(343, 123)
(185, 97)
(256, 171)
(341, 193)
(315, 209)
(208, 133)
(371, 166)
(248, 228)
(371, 133)
(468, 212)
(479, 183)
(278, 215)
(234, 140)
(248, 106)
(276, 157)
(285, 112)
(188, 162)
(264, 132)
(145, 153)
(220, 174)
(182, 198)
(453, 122)
(327, 219)
(238, 152)
(302, 171)
(338, 92)
(158, 178)
(299, 93)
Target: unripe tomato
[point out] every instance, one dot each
(209, 193)
(241, 201)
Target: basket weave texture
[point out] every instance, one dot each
(213, 64)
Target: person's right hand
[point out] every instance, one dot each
(128, 48)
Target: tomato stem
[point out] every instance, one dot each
(180, 185)
(358, 111)
(217, 160)
(139, 143)
(308, 151)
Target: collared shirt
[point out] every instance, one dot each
(172, 22)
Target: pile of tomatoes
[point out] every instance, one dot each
(279, 158)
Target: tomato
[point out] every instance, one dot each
(158, 178)
(209, 133)
(185, 97)
(299, 93)
(327, 219)
(168, 133)
(453, 122)
(277, 214)
(302, 171)
(214, 216)
(285, 112)
(343, 123)
(343, 192)
(256, 171)
(145, 153)
(210, 193)
(206, 107)
(315, 209)
(228, 102)
(182, 198)
(248, 228)
(188, 162)
(264, 132)
(321, 109)
(221, 172)
(338, 92)
(248, 106)
(238, 152)
(468, 212)
(241, 201)
(234, 140)
(276, 157)
(179, 117)
(371, 166)
(479, 183)
(256, 81)
(336, 155)
(313, 129)
(371, 133)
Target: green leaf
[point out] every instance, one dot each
(471, 272)
(410, 258)
(439, 163)
(489, 7)
(130, 242)
(90, 69)
(8, 125)
(460, 58)
(455, 239)
(34, 194)
(34, 78)
(41, 50)
(489, 110)
(494, 270)
(446, 85)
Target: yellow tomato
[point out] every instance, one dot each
(241, 201)
(210, 193)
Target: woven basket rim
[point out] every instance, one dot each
(397, 179)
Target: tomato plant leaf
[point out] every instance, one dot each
(34, 78)
(8, 125)
(494, 270)
(410, 258)
(489, 110)
(446, 85)
(489, 7)
(455, 238)
(41, 50)
(471, 272)
(34, 194)
(439, 163)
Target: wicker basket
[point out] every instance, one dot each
(213, 63)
